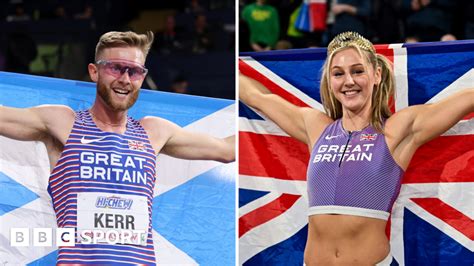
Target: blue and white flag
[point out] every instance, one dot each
(194, 205)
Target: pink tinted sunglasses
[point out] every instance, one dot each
(117, 68)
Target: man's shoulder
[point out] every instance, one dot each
(55, 109)
(54, 112)
(57, 119)
(158, 129)
(153, 121)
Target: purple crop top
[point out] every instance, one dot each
(352, 173)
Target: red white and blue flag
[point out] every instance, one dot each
(432, 220)
(312, 16)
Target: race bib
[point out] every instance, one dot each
(112, 218)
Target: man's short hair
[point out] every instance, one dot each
(113, 39)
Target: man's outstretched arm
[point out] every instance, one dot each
(175, 141)
(33, 123)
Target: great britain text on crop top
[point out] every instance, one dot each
(334, 153)
(112, 167)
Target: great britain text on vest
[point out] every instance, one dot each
(333, 153)
(112, 167)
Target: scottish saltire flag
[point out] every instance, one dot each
(194, 213)
(432, 220)
(312, 16)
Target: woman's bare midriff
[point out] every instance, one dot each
(345, 240)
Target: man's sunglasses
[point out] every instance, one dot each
(117, 68)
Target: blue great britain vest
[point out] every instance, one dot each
(103, 182)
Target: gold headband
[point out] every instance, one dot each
(350, 38)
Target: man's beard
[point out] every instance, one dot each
(106, 95)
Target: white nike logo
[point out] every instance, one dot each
(88, 141)
(331, 137)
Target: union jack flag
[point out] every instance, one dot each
(368, 136)
(136, 145)
(432, 220)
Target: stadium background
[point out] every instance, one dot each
(57, 38)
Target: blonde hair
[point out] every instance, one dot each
(124, 39)
(380, 109)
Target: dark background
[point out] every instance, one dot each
(383, 22)
(57, 39)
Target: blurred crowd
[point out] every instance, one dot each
(286, 24)
(57, 38)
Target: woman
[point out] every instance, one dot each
(359, 151)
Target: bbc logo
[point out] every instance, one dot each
(42, 237)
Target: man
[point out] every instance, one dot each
(103, 162)
(264, 25)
